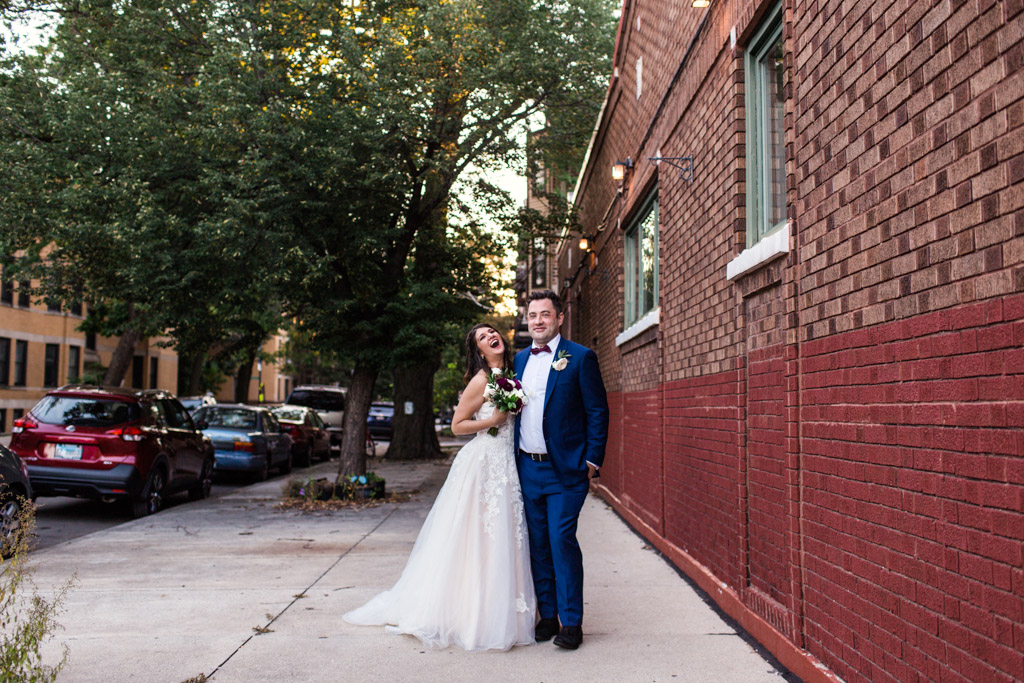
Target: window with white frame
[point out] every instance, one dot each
(766, 152)
(641, 267)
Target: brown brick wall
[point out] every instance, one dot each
(837, 436)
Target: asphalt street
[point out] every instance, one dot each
(64, 519)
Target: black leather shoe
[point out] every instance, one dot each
(545, 629)
(570, 637)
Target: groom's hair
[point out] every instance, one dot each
(547, 294)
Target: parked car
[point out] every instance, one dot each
(328, 402)
(246, 439)
(379, 420)
(15, 489)
(310, 438)
(111, 444)
(194, 403)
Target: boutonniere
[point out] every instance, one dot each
(561, 361)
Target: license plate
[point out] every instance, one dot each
(68, 451)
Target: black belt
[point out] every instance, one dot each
(536, 457)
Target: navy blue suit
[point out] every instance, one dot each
(575, 432)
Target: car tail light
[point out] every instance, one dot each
(243, 446)
(130, 433)
(23, 423)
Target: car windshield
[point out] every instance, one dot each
(88, 412)
(230, 418)
(290, 414)
(328, 401)
(382, 411)
(191, 403)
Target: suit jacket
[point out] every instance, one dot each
(575, 412)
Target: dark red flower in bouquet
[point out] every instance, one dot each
(505, 384)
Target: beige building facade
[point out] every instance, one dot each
(276, 383)
(41, 348)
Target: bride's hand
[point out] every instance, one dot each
(499, 418)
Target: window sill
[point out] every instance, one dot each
(644, 323)
(770, 247)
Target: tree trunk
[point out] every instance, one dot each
(195, 375)
(357, 407)
(414, 435)
(242, 379)
(122, 358)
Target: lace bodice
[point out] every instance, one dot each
(499, 479)
(504, 431)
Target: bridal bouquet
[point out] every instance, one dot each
(504, 392)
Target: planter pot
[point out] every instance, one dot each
(374, 490)
(347, 491)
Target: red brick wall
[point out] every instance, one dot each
(835, 441)
(766, 477)
(914, 494)
(703, 423)
(642, 474)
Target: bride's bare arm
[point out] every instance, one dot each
(471, 401)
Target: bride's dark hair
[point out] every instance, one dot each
(475, 361)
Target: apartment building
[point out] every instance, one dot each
(270, 375)
(41, 349)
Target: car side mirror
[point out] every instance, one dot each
(202, 424)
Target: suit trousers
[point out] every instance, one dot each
(552, 512)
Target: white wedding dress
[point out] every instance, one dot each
(467, 581)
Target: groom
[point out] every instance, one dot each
(560, 438)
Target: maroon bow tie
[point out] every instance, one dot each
(540, 349)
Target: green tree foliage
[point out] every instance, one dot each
(124, 146)
(430, 89)
(206, 168)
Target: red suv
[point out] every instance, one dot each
(109, 443)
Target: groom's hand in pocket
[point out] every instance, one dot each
(592, 471)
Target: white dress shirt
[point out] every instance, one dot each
(535, 382)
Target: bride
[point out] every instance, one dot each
(467, 581)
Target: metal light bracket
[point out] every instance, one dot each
(684, 164)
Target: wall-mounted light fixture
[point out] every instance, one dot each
(621, 168)
(586, 243)
(684, 164)
(701, 3)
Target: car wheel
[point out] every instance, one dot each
(264, 472)
(10, 525)
(152, 498)
(286, 466)
(201, 489)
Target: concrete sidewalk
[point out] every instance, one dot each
(181, 593)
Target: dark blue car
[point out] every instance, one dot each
(246, 439)
(379, 420)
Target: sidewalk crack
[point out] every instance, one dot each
(298, 596)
